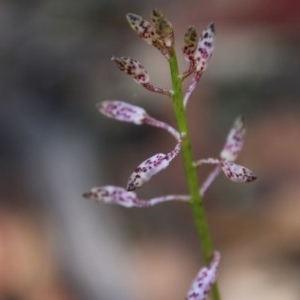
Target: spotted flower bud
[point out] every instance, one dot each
(126, 112)
(202, 54)
(232, 171)
(204, 280)
(237, 173)
(160, 34)
(114, 195)
(142, 27)
(118, 195)
(234, 141)
(233, 145)
(133, 68)
(190, 43)
(204, 48)
(163, 28)
(150, 167)
(122, 111)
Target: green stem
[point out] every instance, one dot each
(191, 172)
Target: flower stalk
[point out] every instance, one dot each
(197, 52)
(196, 202)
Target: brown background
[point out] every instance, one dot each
(55, 65)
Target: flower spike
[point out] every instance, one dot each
(204, 280)
(117, 195)
(126, 112)
(150, 167)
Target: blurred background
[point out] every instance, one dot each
(55, 66)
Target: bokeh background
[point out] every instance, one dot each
(55, 66)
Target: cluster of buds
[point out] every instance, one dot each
(197, 51)
(228, 155)
(126, 112)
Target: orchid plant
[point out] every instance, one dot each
(197, 51)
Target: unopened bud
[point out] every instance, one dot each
(133, 68)
(237, 173)
(150, 167)
(122, 111)
(190, 44)
(113, 195)
(204, 280)
(163, 28)
(234, 141)
(204, 48)
(142, 27)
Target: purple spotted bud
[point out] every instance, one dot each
(231, 149)
(114, 195)
(232, 171)
(204, 48)
(122, 111)
(234, 141)
(133, 68)
(237, 173)
(142, 27)
(150, 167)
(118, 195)
(159, 34)
(201, 58)
(204, 280)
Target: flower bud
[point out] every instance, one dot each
(142, 27)
(133, 68)
(114, 195)
(163, 28)
(190, 44)
(234, 141)
(204, 48)
(122, 111)
(150, 167)
(204, 280)
(237, 173)
(160, 34)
